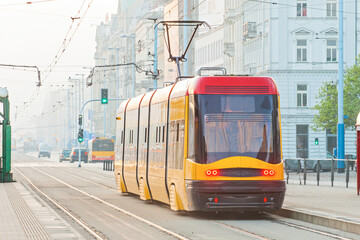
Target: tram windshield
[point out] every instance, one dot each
(103, 145)
(234, 125)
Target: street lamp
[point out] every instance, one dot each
(79, 143)
(133, 38)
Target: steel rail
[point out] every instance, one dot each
(167, 231)
(237, 229)
(62, 208)
(312, 230)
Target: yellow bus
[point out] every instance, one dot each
(205, 143)
(101, 149)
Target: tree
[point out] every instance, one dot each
(327, 106)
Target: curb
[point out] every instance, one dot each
(343, 225)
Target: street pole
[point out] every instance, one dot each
(104, 84)
(134, 69)
(185, 40)
(155, 73)
(356, 37)
(80, 126)
(341, 131)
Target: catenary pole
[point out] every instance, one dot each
(341, 131)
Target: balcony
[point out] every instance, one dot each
(249, 29)
(229, 49)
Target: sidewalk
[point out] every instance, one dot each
(337, 207)
(23, 215)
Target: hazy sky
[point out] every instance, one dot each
(31, 34)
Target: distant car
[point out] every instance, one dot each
(352, 161)
(74, 155)
(325, 165)
(65, 155)
(44, 150)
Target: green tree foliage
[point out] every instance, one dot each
(327, 115)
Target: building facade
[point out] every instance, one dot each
(296, 44)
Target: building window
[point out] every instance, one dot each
(301, 50)
(301, 95)
(331, 141)
(301, 8)
(331, 51)
(302, 141)
(331, 8)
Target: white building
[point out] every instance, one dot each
(296, 44)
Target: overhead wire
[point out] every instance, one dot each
(67, 40)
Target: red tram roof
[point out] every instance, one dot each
(232, 85)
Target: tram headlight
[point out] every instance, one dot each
(212, 172)
(267, 172)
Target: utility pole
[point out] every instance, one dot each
(341, 131)
(185, 39)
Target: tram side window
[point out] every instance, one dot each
(145, 135)
(159, 134)
(156, 134)
(179, 155)
(176, 144)
(163, 135)
(191, 131)
(177, 132)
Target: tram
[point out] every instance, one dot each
(208, 143)
(101, 149)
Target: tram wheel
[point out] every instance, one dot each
(174, 205)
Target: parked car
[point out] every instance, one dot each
(325, 165)
(74, 155)
(44, 150)
(352, 161)
(65, 155)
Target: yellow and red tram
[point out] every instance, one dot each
(205, 143)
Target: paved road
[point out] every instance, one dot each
(89, 194)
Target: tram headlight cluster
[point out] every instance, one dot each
(212, 172)
(267, 172)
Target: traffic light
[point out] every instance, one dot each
(316, 141)
(80, 120)
(104, 96)
(81, 135)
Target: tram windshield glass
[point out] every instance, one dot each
(103, 145)
(234, 125)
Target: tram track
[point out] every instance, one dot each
(85, 179)
(78, 220)
(229, 226)
(242, 231)
(235, 227)
(92, 231)
(323, 233)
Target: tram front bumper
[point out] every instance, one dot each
(235, 195)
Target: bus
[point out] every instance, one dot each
(208, 143)
(101, 149)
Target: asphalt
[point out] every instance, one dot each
(24, 215)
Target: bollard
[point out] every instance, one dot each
(299, 166)
(332, 171)
(318, 171)
(347, 173)
(305, 170)
(286, 172)
(104, 166)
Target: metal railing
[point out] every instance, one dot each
(108, 165)
(317, 170)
